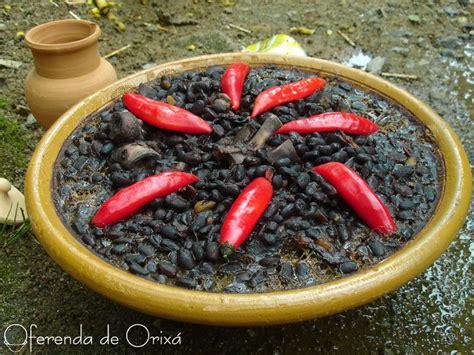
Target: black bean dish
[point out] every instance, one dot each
(307, 235)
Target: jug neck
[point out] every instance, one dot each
(64, 49)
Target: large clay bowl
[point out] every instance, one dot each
(248, 309)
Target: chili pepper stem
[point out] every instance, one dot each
(227, 250)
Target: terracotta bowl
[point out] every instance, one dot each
(248, 309)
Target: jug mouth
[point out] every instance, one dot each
(62, 35)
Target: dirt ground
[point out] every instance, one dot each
(430, 39)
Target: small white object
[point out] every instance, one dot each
(12, 204)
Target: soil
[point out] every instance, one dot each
(428, 39)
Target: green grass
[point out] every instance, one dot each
(10, 234)
(3, 102)
(13, 148)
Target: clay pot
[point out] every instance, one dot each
(68, 67)
(256, 308)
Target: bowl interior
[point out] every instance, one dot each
(248, 309)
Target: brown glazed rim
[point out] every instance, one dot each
(55, 26)
(257, 308)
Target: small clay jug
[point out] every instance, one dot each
(68, 67)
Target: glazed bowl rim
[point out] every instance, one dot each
(255, 308)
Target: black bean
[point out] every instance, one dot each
(118, 249)
(152, 267)
(348, 267)
(360, 106)
(70, 150)
(258, 278)
(186, 282)
(198, 251)
(301, 149)
(88, 239)
(261, 170)
(155, 240)
(316, 141)
(289, 172)
(311, 156)
(270, 261)
(343, 232)
(406, 215)
(168, 244)
(212, 251)
(320, 216)
(185, 259)
(403, 171)
(287, 210)
(146, 250)
(159, 214)
(80, 162)
(251, 161)
(120, 178)
(230, 189)
(277, 181)
(300, 205)
(322, 160)
(320, 197)
(161, 279)
(430, 193)
(134, 258)
(311, 188)
(236, 287)
(363, 158)
(272, 226)
(286, 270)
(176, 202)
(231, 267)
(377, 248)
(282, 162)
(406, 204)
(403, 190)
(270, 239)
(167, 268)
(328, 189)
(271, 210)
(302, 270)
(220, 105)
(262, 155)
(169, 232)
(139, 270)
(106, 149)
(206, 268)
(340, 156)
(303, 180)
(216, 196)
(325, 149)
(191, 158)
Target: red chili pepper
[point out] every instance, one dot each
(130, 199)
(245, 212)
(282, 94)
(358, 195)
(233, 82)
(331, 121)
(165, 116)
